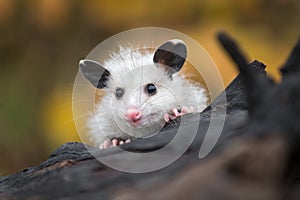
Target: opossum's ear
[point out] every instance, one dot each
(94, 72)
(171, 54)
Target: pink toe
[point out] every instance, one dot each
(166, 117)
(115, 142)
(106, 144)
(128, 140)
(185, 110)
(175, 112)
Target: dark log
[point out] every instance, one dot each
(256, 157)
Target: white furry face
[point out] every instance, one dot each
(148, 90)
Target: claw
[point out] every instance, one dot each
(175, 112)
(178, 113)
(167, 117)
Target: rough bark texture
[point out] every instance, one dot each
(256, 157)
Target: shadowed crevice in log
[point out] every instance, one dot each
(292, 63)
(256, 157)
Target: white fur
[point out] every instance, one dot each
(132, 70)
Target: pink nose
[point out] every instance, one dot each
(133, 115)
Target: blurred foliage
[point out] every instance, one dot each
(41, 42)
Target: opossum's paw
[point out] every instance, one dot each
(113, 143)
(178, 113)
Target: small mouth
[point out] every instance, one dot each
(143, 121)
(134, 123)
(153, 115)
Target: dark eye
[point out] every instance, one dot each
(150, 89)
(119, 92)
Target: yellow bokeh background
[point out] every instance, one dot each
(41, 42)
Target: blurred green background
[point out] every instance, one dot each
(41, 42)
